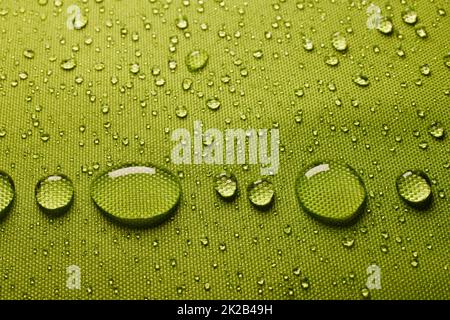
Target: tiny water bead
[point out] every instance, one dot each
(54, 193)
(197, 60)
(226, 185)
(414, 187)
(331, 191)
(7, 192)
(261, 193)
(137, 195)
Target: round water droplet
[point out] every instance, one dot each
(68, 64)
(182, 22)
(213, 104)
(414, 187)
(54, 193)
(181, 112)
(339, 42)
(331, 192)
(137, 195)
(7, 193)
(261, 193)
(226, 185)
(196, 60)
(425, 69)
(385, 26)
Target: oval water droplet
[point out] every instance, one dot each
(226, 185)
(331, 192)
(261, 193)
(213, 103)
(137, 195)
(197, 60)
(54, 193)
(414, 187)
(68, 64)
(7, 193)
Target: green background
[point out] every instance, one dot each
(170, 261)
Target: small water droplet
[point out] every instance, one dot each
(414, 187)
(410, 17)
(339, 42)
(196, 60)
(331, 192)
(436, 130)
(261, 193)
(68, 64)
(348, 241)
(7, 193)
(213, 103)
(181, 112)
(182, 22)
(385, 26)
(54, 193)
(361, 80)
(425, 69)
(332, 60)
(28, 53)
(226, 185)
(137, 195)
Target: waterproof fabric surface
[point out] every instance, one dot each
(118, 104)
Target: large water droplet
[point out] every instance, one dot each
(414, 187)
(261, 193)
(54, 193)
(7, 192)
(331, 192)
(137, 195)
(196, 60)
(226, 185)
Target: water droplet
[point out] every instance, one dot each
(68, 64)
(361, 80)
(385, 26)
(28, 53)
(308, 45)
(134, 68)
(196, 60)
(182, 22)
(339, 42)
(331, 192)
(436, 130)
(181, 112)
(304, 283)
(425, 70)
(348, 242)
(331, 60)
(414, 187)
(421, 32)
(213, 104)
(365, 293)
(54, 193)
(226, 185)
(410, 17)
(7, 193)
(261, 193)
(187, 83)
(137, 195)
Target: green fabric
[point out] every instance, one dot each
(106, 111)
